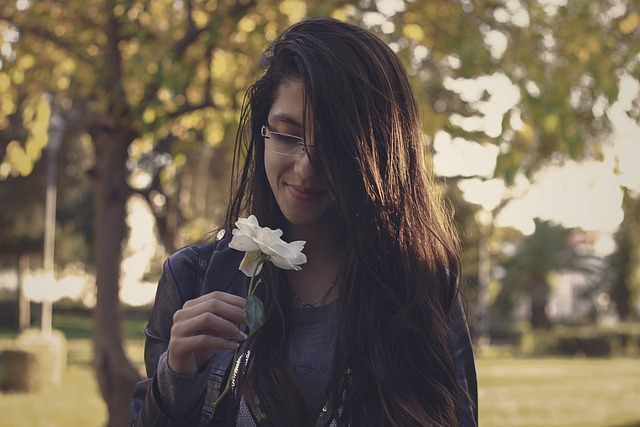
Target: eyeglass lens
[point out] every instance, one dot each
(282, 143)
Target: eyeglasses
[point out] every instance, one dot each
(285, 144)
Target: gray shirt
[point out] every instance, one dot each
(312, 345)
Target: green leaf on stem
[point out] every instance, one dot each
(255, 313)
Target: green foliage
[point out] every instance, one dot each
(170, 74)
(591, 341)
(564, 60)
(22, 223)
(623, 264)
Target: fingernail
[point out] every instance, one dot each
(243, 335)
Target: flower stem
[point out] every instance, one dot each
(253, 284)
(252, 287)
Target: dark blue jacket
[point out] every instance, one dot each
(197, 270)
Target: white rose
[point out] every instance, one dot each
(262, 244)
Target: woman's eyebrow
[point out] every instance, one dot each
(286, 118)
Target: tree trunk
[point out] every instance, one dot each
(539, 300)
(116, 376)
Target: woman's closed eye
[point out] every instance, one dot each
(286, 138)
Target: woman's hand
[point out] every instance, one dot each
(199, 330)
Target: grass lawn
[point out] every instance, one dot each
(559, 392)
(513, 392)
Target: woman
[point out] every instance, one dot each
(370, 331)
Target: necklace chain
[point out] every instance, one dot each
(319, 300)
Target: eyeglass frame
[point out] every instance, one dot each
(300, 142)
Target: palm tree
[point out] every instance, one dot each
(551, 248)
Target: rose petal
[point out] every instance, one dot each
(241, 242)
(250, 264)
(297, 246)
(283, 263)
(247, 226)
(288, 260)
(267, 236)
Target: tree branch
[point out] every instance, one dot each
(192, 34)
(188, 108)
(118, 106)
(40, 32)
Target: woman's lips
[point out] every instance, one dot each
(304, 194)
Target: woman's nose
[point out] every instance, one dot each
(303, 166)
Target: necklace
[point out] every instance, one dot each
(319, 300)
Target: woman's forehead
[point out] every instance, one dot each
(289, 106)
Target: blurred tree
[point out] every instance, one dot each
(551, 248)
(22, 222)
(624, 272)
(534, 79)
(145, 79)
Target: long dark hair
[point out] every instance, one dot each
(401, 267)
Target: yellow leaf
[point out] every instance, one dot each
(550, 123)
(63, 83)
(26, 61)
(67, 66)
(211, 5)
(180, 160)
(85, 140)
(194, 95)
(294, 9)
(247, 24)
(270, 31)
(17, 75)
(526, 133)
(43, 112)
(221, 100)
(5, 170)
(7, 104)
(200, 17)
(164, 94)
(413, 31)
(17, 159)
(152, 68)
(34, 145)
(5, 82)
(629, 23)
(214, 134)
(148, 116)
(220, 64)
(140, 147)
(342, 13)
(144, 18)
(119, 10)
(28, 113)
(202, 72)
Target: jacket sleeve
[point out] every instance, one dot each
(177, 285)
(462, 353)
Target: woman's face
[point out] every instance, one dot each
(301, 195)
